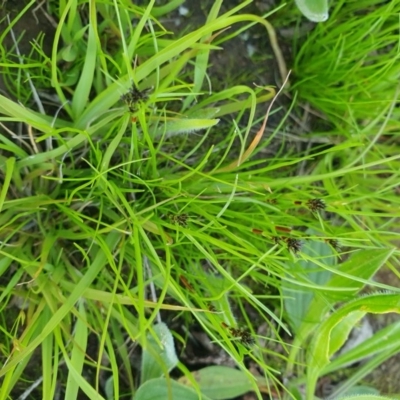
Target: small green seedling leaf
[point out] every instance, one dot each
(314, 10)
(163, 389)
(220, 382)
(159, 357)
(69, 53)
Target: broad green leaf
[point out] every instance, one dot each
(342, 330)
(69, 53)
(314, 10)
(297, 300)
(366, 397)
(361, 266)
(359, 391)
(382, 341)
(163, 389)
(159, 357)
(318, 355)
(220, 382)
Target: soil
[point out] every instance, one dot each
(30, 27)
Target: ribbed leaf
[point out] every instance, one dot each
(220, 382)
(163, 389)
(314, 10)
(159, 357)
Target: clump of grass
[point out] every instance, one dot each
(347, 68)
(112, 216)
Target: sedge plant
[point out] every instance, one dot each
(138, 197)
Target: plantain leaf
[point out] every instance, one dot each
(220, 382)
(159, 357)
(362, 264)
(163, 389)
(366, 397)
(314, 10)
(297, 300)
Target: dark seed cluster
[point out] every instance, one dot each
(211, 308)
(276, 239)
(133, 97)
(246, 338)
(272, 201)
(335, 244)
(179, 219)
(242, 334)
(294, 245)
(315, 205)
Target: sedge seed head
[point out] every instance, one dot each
(246, 338)
(179, 219)
(315, 205)
(133, 97)
(294, 245)
(243, 335)
(335, 244)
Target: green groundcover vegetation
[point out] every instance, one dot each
(136, 199)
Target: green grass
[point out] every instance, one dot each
(348, 69)
(117, 214)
